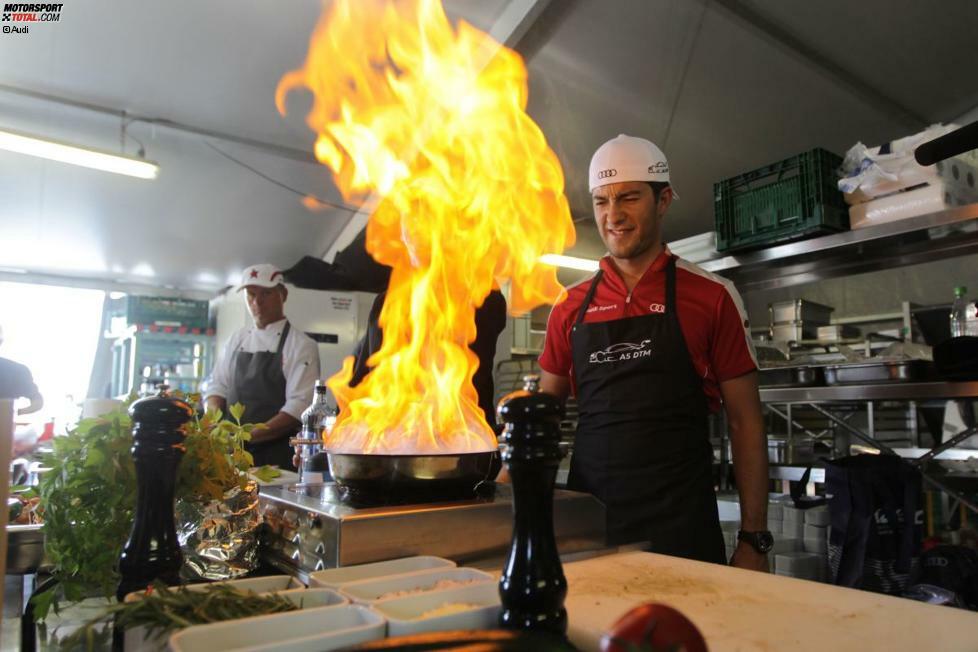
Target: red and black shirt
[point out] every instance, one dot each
(711, 315)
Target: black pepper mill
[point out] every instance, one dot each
(532, 586)
(152, 551)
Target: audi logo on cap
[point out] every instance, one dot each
(607, 174)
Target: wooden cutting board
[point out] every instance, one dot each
(742, 610)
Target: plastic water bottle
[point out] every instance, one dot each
(959, 312)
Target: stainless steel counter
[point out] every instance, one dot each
(312, 529)
(880, 392)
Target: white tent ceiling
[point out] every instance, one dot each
(723, 86)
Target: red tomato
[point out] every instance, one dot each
(653, 627)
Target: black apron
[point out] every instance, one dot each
(259, 384)
(642, 445)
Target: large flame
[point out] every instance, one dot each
(430, 122)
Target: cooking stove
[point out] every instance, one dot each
(316, 526)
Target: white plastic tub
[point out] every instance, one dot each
(267, 584)
(405, 615)
(137, 639)
(309, 630)
(334, 577)
(368, 591)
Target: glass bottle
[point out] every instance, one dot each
(314, 419)
(959, 312)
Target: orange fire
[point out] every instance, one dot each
(429, 121)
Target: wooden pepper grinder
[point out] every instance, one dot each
(532, 586)
(152, 551)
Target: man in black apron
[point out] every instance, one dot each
(271, 369)
(642, 444)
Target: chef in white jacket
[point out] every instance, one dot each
(269, 367)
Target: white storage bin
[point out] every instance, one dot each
(406, 615)
(333, 577)
(815, 532)
(956, 171)
(926, 199)
(793, 529)
(803, 565)
(782, 545)
(367, 591)
(818, 516)
(873, 173)
(309, 630)
(137, 639)
(792, 514)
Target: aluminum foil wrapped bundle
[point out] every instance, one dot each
(219, 538)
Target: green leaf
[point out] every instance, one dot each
(43, 601)
(89, 494)
(95, 458)
(237, 411)
(266, 473)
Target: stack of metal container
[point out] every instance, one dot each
(797, 319)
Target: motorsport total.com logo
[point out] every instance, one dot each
(31, 13)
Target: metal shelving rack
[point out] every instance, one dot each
(137, 348)
(944, 234)
(821, 399)
(925, 238)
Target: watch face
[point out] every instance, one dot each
(765, 541)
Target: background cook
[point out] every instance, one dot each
(269, 367)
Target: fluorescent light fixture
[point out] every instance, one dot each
(583, 264)
(83, 156)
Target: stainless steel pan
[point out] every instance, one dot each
(388, 479)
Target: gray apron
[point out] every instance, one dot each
(259, 384)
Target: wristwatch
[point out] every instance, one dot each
(761, 541)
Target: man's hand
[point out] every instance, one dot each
(215, 402)
(749, 559)
(281, 425)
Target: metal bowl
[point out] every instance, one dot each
(388, 479)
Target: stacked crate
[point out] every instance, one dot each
(789, 200)
(886, 183)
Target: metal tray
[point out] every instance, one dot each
(801, 376)
(793, 332)
(792, 310)
(901, 371)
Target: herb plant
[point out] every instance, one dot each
(90, 492)
(162, 610)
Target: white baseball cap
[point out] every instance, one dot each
(627, 158)
(264, 275)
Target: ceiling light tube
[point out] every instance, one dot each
(583, 264)
(83, 156)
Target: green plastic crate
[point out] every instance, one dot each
(790, 200)
(166, 311)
